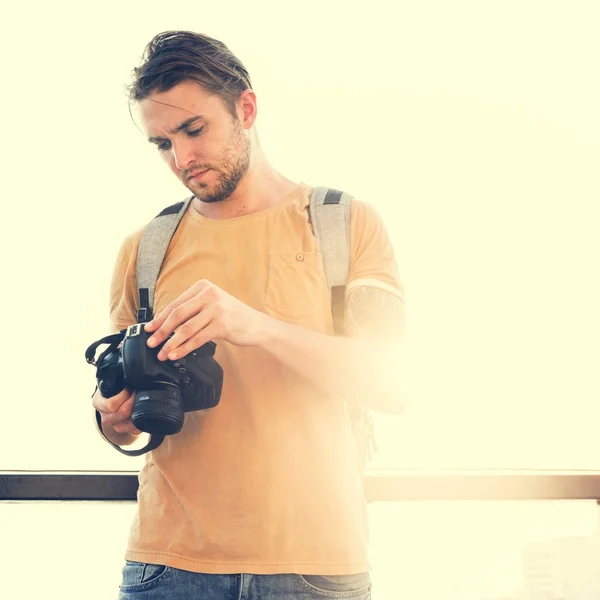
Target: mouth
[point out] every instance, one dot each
(197, 175)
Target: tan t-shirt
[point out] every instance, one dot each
(267, 481)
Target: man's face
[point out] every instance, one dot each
(197, 136)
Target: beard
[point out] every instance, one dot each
(232, 167)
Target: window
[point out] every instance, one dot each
(481, 155)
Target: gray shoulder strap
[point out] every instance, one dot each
(330, 218)
(151, 253)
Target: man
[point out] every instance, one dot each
(259, 497)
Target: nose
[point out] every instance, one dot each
(183, 154)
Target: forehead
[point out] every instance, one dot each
(163, 111)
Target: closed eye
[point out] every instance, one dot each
(195, 132)
(165, 145)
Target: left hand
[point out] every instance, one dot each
(201, 314)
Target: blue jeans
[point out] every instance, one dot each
(143, 581)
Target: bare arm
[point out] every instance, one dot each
(374, 312)
(365, 368)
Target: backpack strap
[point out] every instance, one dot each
(151, 254)
(329, 212)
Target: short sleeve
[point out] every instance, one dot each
(372, 258)
(123, 291)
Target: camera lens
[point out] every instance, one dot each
(158, 410)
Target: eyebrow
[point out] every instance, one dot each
(180, 127)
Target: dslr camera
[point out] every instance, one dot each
(166, 390)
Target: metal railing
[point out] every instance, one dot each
(391, 486)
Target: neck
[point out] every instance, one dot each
(261, 187)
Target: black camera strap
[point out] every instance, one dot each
(113, 340)
(154, 442)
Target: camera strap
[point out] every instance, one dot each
(154, 442)
(113, 340)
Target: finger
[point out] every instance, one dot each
(126, 427)
(207, 334)
(124, 412)
(159, 319)
(185, 333)
(112, 404)
(180, 316)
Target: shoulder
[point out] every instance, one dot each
(363, 211)
(130, 244)
(366, 222)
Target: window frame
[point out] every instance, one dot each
(390, 486)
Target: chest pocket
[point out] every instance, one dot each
(296, 285)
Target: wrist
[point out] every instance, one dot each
(268, 330)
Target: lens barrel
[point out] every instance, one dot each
(159, 410)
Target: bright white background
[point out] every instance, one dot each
(472, 126)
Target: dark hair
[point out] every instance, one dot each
(172, 57)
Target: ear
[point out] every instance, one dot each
(247, 108)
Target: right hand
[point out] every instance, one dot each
(116, 411)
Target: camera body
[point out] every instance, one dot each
(165, 389)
